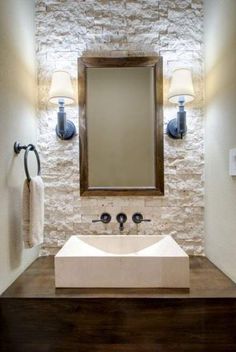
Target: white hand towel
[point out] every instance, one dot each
(33, 212)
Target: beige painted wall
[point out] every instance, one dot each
(220, 218)
(17, 122)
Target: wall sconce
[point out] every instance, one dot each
(181, 91)
(61, 93)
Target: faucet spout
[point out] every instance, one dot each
(121, 219)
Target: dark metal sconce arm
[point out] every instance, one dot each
(65, 129)
(177, 128)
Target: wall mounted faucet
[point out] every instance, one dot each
(105, 218)
(121, 218)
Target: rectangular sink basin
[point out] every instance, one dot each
(122, 261)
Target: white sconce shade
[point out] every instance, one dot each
(181, 85)
(61, 88)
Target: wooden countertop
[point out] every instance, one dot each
(206, 281)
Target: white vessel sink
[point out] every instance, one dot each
(121, 261)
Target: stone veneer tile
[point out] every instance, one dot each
(67, 29)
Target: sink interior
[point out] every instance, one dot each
(115, 245)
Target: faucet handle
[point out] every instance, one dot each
(105, 218)
(138, 218)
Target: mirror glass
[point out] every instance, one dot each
(120, 127)
(121, 143)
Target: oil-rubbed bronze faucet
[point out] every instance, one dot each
(121, 218)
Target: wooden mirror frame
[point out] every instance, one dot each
(102, 62)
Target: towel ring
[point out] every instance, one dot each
(28, 148)
(31, 147)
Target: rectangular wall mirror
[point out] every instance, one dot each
(121, 126)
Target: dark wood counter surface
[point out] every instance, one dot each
(36, 317)
(206, 281)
